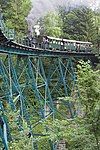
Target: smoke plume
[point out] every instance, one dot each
(41, 7)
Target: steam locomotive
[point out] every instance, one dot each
(58, 44)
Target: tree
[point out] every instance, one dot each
(96, 37)
(15, 13)
(78, 24)
(82, 132)
(52, 25)
(90, 98)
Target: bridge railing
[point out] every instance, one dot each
(9, 33)
(25, 41)
(55, 45)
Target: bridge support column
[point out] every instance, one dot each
(39, 84)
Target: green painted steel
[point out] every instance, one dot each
(46, 74)
(46, 80)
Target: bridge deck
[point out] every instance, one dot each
(10, 46)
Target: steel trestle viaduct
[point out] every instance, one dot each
(33, 76)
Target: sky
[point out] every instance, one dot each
(41, 7)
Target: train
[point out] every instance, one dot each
(58, 44)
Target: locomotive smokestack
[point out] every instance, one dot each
(37, 29)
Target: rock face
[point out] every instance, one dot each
(62, 145)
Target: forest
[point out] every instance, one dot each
(81, 131)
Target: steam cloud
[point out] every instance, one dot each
(42, 7)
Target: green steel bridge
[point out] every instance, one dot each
(35, 76)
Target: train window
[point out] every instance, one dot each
(74, 44)
(54, 42)
(61, 43)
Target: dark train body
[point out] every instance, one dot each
(58, 44)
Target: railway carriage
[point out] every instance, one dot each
(68, 45)
(60, 44)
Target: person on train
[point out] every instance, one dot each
(45, 42)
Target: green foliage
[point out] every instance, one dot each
(78, 24)
(19, 138)
(82, 132)
(90, 97)
(74, 132)
(15, 16)
(52, 25)
(96, 37)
